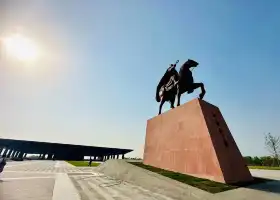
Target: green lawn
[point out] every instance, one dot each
(204, 184)
(83, 163)
(264, 167)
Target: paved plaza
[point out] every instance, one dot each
(57, 180)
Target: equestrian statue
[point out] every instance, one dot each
(174, 84)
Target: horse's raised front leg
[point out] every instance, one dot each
(201, 85)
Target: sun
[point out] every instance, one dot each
(20, 48)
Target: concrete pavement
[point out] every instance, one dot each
(57, 180)
(268, 191)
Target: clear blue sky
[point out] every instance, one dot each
(103, 59)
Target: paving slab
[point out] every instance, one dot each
(64, 188)
(27, 189)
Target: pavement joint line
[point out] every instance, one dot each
(9, 166)
(64, 188)
(26, 178)
(83, 176)
(29, 172)
(47, 172)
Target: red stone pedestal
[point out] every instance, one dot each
(194, 139)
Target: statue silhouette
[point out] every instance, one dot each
(174, 84)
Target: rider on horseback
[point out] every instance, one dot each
(168, 81)
(173, 80)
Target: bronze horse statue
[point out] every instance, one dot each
(174, 84)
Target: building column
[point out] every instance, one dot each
(12, 154)
(49, 156)
(118, 156)
(9, 154)
(17, 155)
(123, 156)
(5, 152)
(20, 155)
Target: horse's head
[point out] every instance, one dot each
(191, 63)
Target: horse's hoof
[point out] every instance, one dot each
(201, 96)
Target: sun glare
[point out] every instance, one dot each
(21, 48)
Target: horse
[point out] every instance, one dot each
(167, 87)
(174, 84)
(186, 82)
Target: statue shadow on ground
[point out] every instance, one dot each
(269, 186)
(264, 184)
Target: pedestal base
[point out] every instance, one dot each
(194, 139)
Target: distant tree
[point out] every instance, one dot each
(257, 161)
(249, 160)
(260, 161)
(267, 160)
(272, 144)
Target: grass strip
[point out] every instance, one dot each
(83, 163)
(203, 184)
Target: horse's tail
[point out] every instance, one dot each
(157, 94)
(157, 98)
